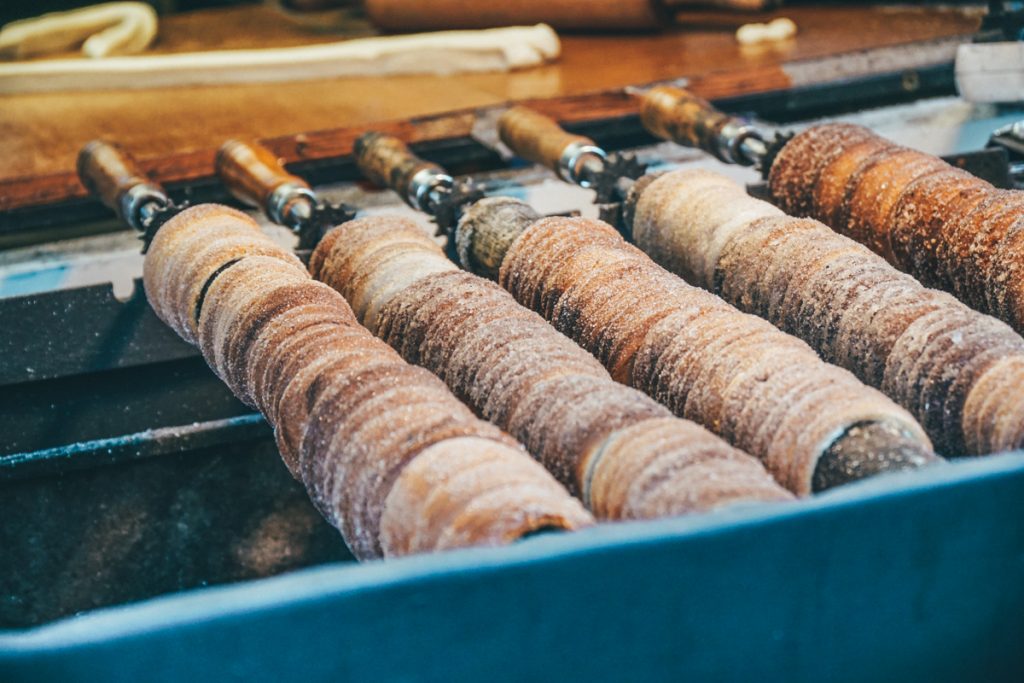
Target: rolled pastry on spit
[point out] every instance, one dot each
(942, 225)
(515, 370)
(351, 418)
(453, 485)
(763, 391)
(189, 250)
(381, 257)
(922, 347)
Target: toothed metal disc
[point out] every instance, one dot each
(774, 147)
(156, 219)
(326, 215)
(449, 208)
(616, 167)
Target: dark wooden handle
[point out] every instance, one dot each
(251, 172)
(682, 117)
(388, 162)
(536, 137)
(108, 172)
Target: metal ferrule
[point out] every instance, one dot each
(753, 149)
(138, 202)
(729, 145)
(571, 163)
(427, 188)
(282, 201)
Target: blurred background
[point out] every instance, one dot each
(18, 9)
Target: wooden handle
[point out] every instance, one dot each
(682, 117)
(388, 162)
(251, 172)
(109, 172)
(536, 137)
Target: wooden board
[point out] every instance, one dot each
(175, 131)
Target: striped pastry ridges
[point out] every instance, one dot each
(386, 452)
(944, 226)
(923, 348)
(621, 451)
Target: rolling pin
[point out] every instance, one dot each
(570, 15)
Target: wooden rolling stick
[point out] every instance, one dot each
(574, 158)
(255, 175)
(111, 174)
(538, 138)
(387, 161)
(682, 117)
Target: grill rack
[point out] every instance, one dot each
(74, 467)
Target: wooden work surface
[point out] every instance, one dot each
(40, 134)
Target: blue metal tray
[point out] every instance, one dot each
(910, 577)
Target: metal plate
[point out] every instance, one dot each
(915, 577)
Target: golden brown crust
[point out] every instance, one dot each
(797, 167)
(371, 232)
(656, 467)
(703, 359)
(451, 484)
(945, 227)
(277, 340)
(348, 414)
(916, 226)
(192, 247)
(973, 270)
(517, 371)
(875, 192)
(1004, 290)
(832, 192)
(682, 245)
(260, 311)
(993, 420)
(847, 303)
(306, 376)
(230, 296)
(364, 466)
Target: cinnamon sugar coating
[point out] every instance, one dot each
(922, 347)
(189, 249)
(945, 227)
(349, 415)
(766, 392)
(516, 370)
(457, 492)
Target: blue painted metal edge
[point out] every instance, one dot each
(930, 512)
